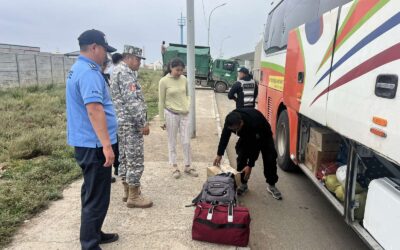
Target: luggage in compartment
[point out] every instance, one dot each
(324, 139)
(382, 212)
(315, 157)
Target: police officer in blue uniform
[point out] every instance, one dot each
(92, 131)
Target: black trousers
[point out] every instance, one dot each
(251, 149)
(95, 194)
(116, 161)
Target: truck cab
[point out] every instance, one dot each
(223, 74)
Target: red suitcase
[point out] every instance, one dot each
(222, 224)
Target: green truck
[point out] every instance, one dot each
(219, 74)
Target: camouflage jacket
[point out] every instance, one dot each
(127, 97)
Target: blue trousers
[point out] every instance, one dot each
(95, 194)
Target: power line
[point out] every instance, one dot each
(204, 13)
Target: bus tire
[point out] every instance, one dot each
(220, 87)
(283, 143)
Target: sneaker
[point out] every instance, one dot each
(176, 173)
(274, 192)
(108, 238)
(191, 171)
(242, 189)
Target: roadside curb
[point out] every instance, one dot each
(219, 127)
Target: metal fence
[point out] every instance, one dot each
(17, 70)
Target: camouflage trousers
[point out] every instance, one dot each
(131, 155)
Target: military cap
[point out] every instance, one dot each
(129, 49)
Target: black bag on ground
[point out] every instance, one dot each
(219, 189)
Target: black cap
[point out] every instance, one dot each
(244, 70)
(97, 37)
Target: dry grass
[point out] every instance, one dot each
(35, 162)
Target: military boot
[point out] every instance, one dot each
(136, 199)
(126, 191)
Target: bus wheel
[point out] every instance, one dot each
(220, 87)
(283, 143)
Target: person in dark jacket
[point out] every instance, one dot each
(255, 135)
(244, 92)
(116, 152)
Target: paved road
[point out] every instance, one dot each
(304, 219)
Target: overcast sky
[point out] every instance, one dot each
(54, 25)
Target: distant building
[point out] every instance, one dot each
(246, 60)
(257, 61)
(157, 65)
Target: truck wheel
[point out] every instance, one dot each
(220, 87)
(283, 143)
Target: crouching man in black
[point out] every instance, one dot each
(255, 135)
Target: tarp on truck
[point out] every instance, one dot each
(202, 57)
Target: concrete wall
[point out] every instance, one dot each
(31, 69)
(19, 49)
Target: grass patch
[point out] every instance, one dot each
(35, 162)
(149, 80)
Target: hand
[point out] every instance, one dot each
(217, 160)
(247, 172)
(145, 130)
(109, 154)
(164, 126)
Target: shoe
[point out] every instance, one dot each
(136, 199)
(274, 192)
(113, 179)
(242, 189)
(108, 238)
(176, 173)
(191, 171)
(126, 191)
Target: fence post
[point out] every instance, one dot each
(36, 69)
(64, 67)
(51, 70)
(18, 71)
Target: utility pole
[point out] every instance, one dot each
(221, 47)
(181, 23)
(190, 65)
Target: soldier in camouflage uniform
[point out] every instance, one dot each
(131, 111)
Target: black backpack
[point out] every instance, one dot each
(218, 189)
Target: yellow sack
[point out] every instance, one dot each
(224, 168)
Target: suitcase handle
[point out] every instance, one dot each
(230, 213)
(210, 213)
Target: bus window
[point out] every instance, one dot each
(289, 14)
(275, 29)
(327, 5)
(298, 12)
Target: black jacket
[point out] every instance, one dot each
(254, 132)
(236, 93)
